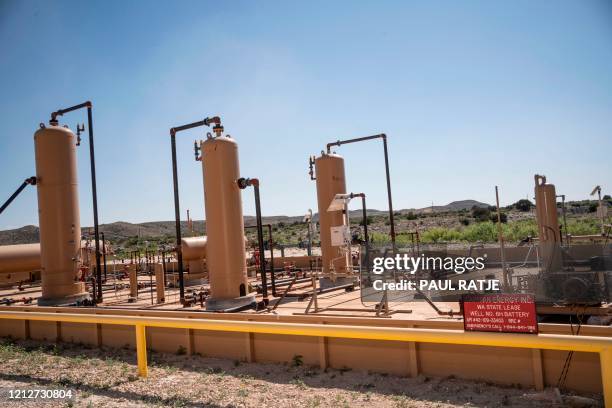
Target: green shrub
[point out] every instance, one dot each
(439, 234)
(481, 214)
(518, 230)
(503, 217)
(480, 232)
(584, 227)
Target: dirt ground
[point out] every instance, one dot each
(108, 378)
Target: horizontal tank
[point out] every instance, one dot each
(19, 258)
(193, 248)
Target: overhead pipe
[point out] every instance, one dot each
(29, 181)
(242, 184)
(92, 162)
(177, 212)
(389, 198)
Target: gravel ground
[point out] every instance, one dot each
(107, 377)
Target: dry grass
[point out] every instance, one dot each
(107, 377)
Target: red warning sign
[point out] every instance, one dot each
(506, 313)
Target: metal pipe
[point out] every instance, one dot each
(309, 227)
(365, 219)
(30, 180)
(271, 245)
(255, 184)
(564, 227)
(94, 193)
(104, 254)
(387, 174)
(242, 184)
(272, 271)
(177, 211)
(177, 217)
(365, 228)
(500, 235)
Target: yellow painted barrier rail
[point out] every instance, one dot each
(589, 344)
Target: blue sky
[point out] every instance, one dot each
(471, 94)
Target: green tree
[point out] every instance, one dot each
(523, 205)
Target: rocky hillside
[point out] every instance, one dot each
(121, 230)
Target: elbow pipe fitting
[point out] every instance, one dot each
(247, 182)
(206, 122)
(215, 119)
(61, 112)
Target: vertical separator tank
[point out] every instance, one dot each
(58, 216)
(548, 224)
(225, 247)
(330, 181)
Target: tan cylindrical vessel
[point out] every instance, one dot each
(133, 275)
(329, 170)
(58, 215)
(225, 249)
(160, 283)
(549, 234)
(19, 258)
(193, 248)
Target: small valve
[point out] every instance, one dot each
(218, 129)
(197, 150)
(311, 163)
(80, 129)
